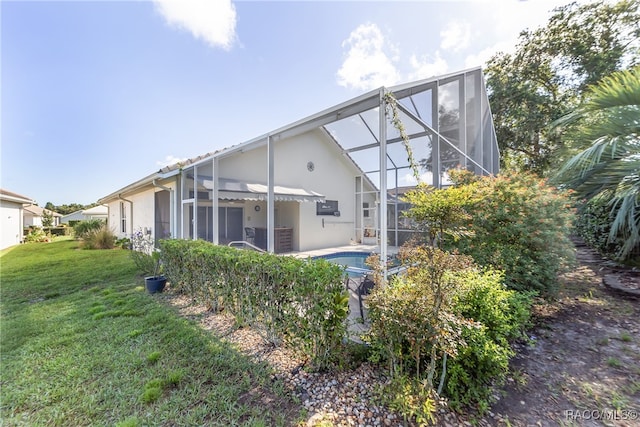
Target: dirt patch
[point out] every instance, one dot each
(581, 366)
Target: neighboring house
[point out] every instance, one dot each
(11, 219)
(316, 183)
(96, 212)
(33, 216)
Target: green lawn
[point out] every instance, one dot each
(82, 343)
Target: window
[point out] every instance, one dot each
(365, 209)
(123, 218)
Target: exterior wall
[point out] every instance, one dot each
(333, 176)
(140, 211)
(32, 220)
(11, 223)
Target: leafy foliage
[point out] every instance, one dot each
(83, 227)
(550, 69)
(516, 223)
(446, 316)
(101, 238)
(37, 234)
(607, 123)
(302, 303)
(47, 218)
(144, 253)
(593, 224)
(442, 213)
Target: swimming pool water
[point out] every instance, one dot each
(353, 261)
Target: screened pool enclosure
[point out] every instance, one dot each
(448, 123)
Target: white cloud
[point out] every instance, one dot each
(213, 21)
(369, 60)
(456, 36)
(481, 58)
(170, 160)
(425, 67)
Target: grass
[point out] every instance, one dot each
(83, 344)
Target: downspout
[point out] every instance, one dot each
(131, 203)
(172, 201)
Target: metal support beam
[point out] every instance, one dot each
(383, 183)
(270, 197)
(214, 202)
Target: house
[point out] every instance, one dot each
(11, 219)
(316, 183)
(34, 215)
(97, 212)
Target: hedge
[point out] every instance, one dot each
(301, 303)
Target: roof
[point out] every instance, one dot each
(14, 197)
(96, 210)
(351, 125)
(38, 211)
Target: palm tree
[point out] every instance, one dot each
(607, 123)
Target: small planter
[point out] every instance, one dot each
(155, 284)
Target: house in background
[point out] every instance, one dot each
(97, 212)
(11, 217)
(325, 181)
(34, 215)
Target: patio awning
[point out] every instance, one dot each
(231, 189)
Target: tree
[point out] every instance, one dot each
(607, 126)
(47, 218)
(545, 77)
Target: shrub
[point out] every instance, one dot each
(102, 238)
(58, 231)
(446, 325)
(142, 247)
(519, 225)
(37, 235)
(501, 316)
(302, 303)
(593, 224)
(84, 227)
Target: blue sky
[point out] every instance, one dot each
(98, 94)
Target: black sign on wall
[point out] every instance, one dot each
(328, 207)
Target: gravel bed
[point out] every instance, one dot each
(335, 398)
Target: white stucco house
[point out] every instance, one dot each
(11, 217)
(33, 216)
(317, 183)
(97, 212)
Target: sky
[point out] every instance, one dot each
(98, 94)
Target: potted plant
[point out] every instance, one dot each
(148, 260)
(156, 282)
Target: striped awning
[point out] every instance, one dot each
(231, 189)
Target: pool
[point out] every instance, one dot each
(353, 261)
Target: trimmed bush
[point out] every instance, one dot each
(302, 303)
(58, 231)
